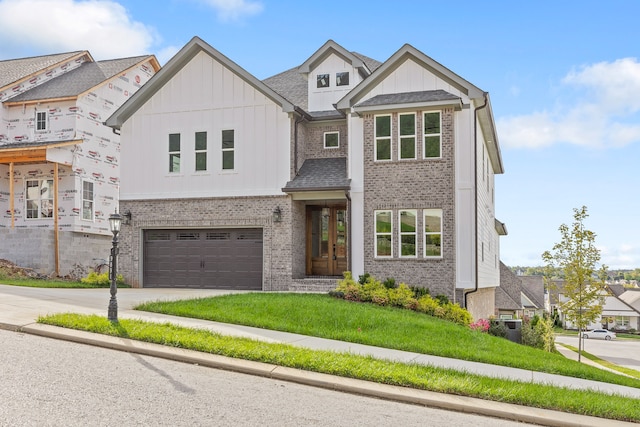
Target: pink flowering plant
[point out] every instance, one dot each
(481, 325)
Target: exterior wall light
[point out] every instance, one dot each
(277, 214)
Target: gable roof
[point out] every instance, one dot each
(533, 289)
(175, 64)
(82, 79)
(14, 71)
(329, 48)
(427, 97)
(406, 52)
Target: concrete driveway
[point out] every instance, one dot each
(621, 352)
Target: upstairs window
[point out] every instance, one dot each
(39, 198)
(41, 121)
(87, 200)
(342, 79)
(407, 136)
(433, 233)
(383, 224)
(432, 135)
(174, 153)
(408, 229)
(228, 149)
(331, 140)
(322, 80)
(383, 138)
(201, 151)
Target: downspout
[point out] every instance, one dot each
(475, 170)
(302, 116)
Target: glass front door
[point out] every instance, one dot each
(326, 240)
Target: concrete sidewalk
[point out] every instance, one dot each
(20, 308)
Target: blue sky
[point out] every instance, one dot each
(563, 76)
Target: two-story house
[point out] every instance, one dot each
(59, 164)
(343, 163)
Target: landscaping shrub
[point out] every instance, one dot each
(101, 280)
(401, 296)
(456, 314)
(419, 291)
(482, 325)
(427, 305)
(390, 283)
(497, 329)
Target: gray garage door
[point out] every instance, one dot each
(214, 259)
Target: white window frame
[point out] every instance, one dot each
(86, 201)
(376, 233)
(425, 233)
(339, 80)
(377, 138)
(228, 150)
(425, 135)
(318, 77)
(324, 138)
(407, 136)
(200, 151)
(40, 201)
(44, 121)
(175, 154)
(413, 233)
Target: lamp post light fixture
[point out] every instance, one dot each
(115, 222)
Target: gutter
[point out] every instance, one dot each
(475, 168)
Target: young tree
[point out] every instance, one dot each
(576, 258)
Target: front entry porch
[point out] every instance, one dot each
(326, 240)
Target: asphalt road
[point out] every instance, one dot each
(47, 382)
(621, 352)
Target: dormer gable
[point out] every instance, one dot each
(331, 72)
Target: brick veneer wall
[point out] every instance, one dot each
(411, 184)
(314, 140)
(232, 212)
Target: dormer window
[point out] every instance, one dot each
(342, 79)
(323, 80)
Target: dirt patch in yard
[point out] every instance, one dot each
(10, 270)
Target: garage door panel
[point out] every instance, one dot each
(216, 258)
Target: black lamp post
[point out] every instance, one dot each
(115, 221)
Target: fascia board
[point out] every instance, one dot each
(409, 106)
(324, 51)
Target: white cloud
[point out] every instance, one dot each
(104, 28)
(232, 10)
(597, 107)
(624, 256)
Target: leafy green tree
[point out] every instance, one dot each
(576, 257)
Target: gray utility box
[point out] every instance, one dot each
(514, 329)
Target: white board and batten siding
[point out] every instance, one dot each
(205, 96)
(323, 99)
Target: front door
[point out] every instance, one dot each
(326, 240)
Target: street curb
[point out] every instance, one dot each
(348, 385)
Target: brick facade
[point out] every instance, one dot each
(412, 184)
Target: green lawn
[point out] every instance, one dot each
(362, 367)
(323, 316)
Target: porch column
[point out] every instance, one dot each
(55, 219)
(11, 195)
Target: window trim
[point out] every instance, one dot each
(175, 154)
(401, 137)
(376, 233)
(408, 233)
(197, 151)
(39, 199)
(425, 233)
(44, 121)
(339, 78)
(377, 138)
(92, 201)
(324, 138)
(231, 150)
(425, 135)
(319, 76)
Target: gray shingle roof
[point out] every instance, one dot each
(79, 80)
(320, 174)
(13, 70)
(533, 288)
(409, 98)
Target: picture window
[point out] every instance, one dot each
(39, 198)
(342, 79)
(322, 80)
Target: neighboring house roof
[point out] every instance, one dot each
(80, 80)
(406, 52)
(509, 293)
(320, 175)
(617, 290)
(504, 301)
(14, 71)
(631, 297)
(501, 228)
(533, 289)
(175, 64)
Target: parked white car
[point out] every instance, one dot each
(599, 334)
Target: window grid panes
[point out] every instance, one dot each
(87, 200)
(432, 233)
(174, 153)
(41, 120)
(384, 229)
(331, 140)
(383, 138)
(201, 151)
(408, 229)
(432, 134)
(228, 149)
(407, 136)
(39, 198)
